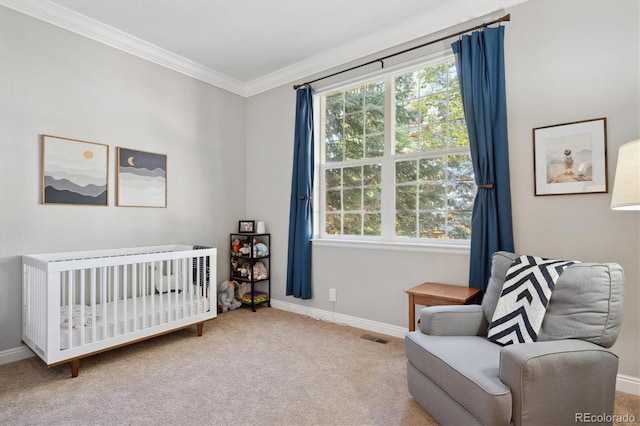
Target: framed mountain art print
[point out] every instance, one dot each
(74, 171)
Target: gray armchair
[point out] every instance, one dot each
(462, 378)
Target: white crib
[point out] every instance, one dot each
(77, 304)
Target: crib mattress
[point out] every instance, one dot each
(127, 315)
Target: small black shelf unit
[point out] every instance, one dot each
(250, 263)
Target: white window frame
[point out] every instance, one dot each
(387, 239)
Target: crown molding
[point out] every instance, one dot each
(451, 14)
(67, 19)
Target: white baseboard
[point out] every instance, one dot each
(624, 383)
(374, 326)
(15, 354)
(628, 384)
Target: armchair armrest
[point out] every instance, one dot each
(453, 320)
(558, 382)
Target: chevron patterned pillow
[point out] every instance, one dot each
(524, 299)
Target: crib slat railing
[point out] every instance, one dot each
(113, 286)
(160, 299)
(116, 286)
(87, 293)
(165, 300)
(169, 291)
(145, 291)
(199, 279)
(82, 306)
(185, 287)
(103, 301)
(125, 295)
(93, 299)
(67, 299)
(153, 299)
(134, 295)
(178, 286)
(192, 279)
(168, 273)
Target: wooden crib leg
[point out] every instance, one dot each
(75, 367)
(200, 327)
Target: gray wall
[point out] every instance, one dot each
(55, 82)
(565, 61)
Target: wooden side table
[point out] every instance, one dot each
(432, 294)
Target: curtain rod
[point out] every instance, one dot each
(505, 18)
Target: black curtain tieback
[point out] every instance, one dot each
(305, 197)
(486, 186)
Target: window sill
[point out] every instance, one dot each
(455, 249)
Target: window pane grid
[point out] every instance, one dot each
(354, 123)
(353, 200)
(429, 110)
(432, 187)
(434, 197)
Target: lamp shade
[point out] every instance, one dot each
(626, 187)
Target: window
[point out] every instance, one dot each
(394, 159)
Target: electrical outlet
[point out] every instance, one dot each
(332, 295)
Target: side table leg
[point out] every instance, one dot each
(412, 313)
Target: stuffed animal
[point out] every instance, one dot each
(260, 249)
(259, 271)
(245, 249)
(245, 271)
(243, 289)
(226, 290)
(234, 267)
(167, 281)
(235, 247)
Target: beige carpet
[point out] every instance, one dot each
(270, 367)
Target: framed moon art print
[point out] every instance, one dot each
(142, 179)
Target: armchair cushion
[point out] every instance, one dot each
(586, 304)
(501, 261)
(472, 381)
(453, 320)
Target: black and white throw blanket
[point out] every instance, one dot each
(524, 299)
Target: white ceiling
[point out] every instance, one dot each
(248, 46)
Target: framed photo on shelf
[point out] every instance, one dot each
(74, 171)
(570, 158)
(246, 226)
